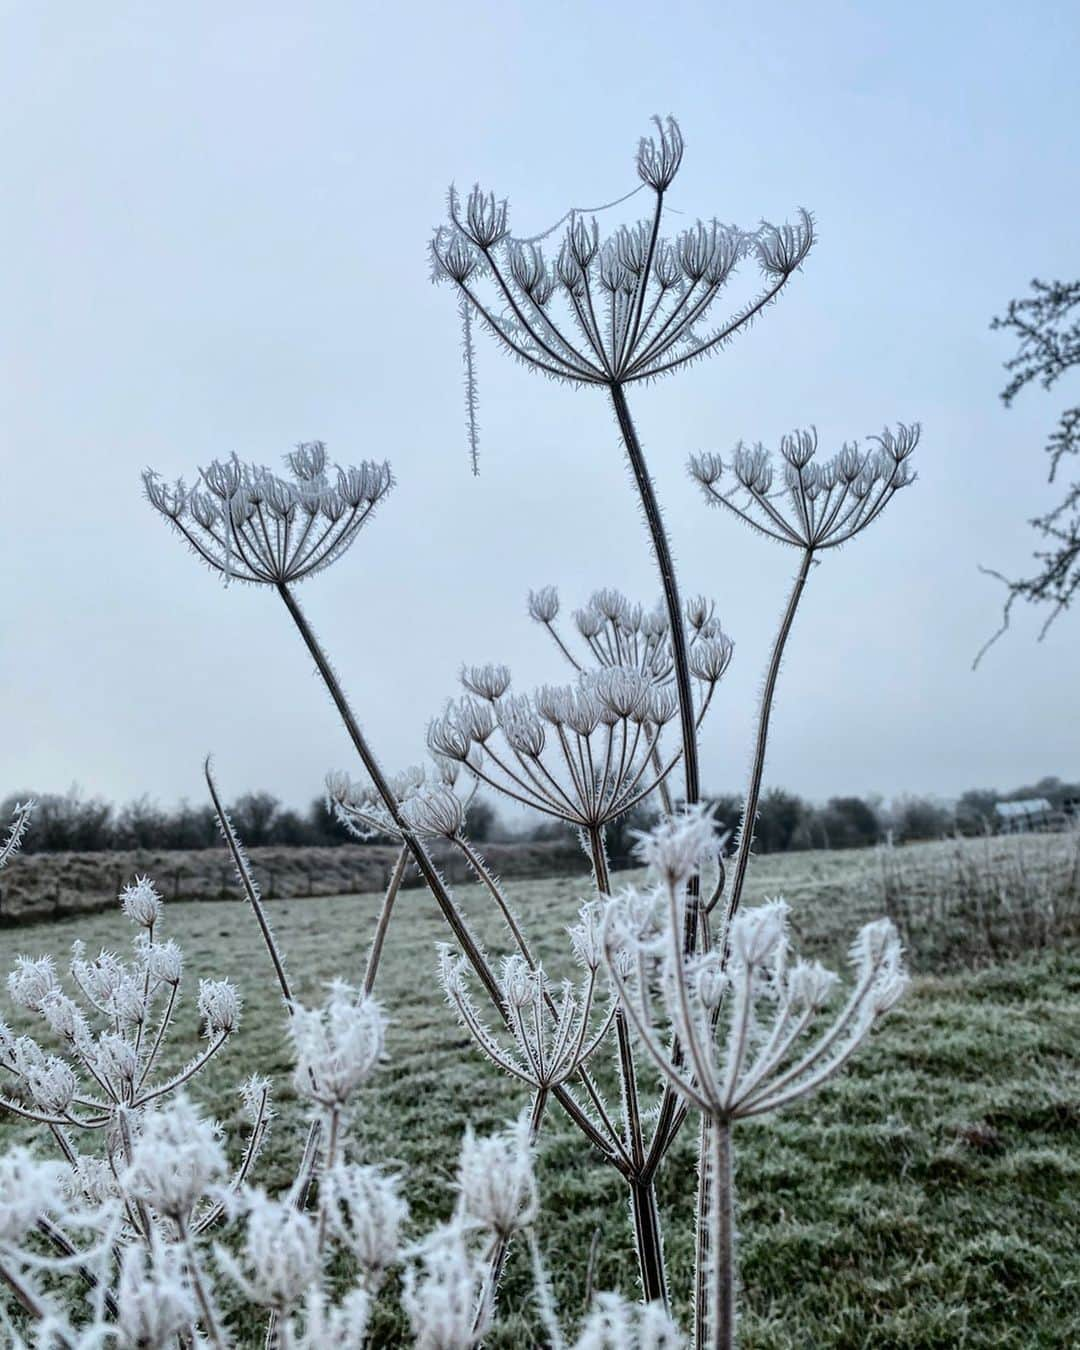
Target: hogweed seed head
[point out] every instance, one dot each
(141, 903)
(52, 1085)
(29, 1188)
(31, 981)
(325, 1326)
(279, 1260)
(248, 523)
(496, 1181)
(117, 1060)
(745, 1015)
(674, 850)
(826, 504)
(337, 1046)
(219, 1007)
(614, 1323)
(165, 962)
(610, 312)
(489, 681)
(154, 1301)
(176, 1160)
(441, 1292)
(544, 604)
(365, 1212)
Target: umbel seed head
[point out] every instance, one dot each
(251, 524)
(816, 505)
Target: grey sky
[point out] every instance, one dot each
(214, 238)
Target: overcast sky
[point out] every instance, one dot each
(214, 240)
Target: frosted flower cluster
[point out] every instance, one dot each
(613, 631)
(752, 1021)
(433, 807)
(152, 1244)
(251, 524)
(108, 1025)
(548, 1032)
(584, 752)
(809, 504)
(629, 307)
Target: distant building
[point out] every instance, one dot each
(1034, 813)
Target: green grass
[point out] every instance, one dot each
(930, 1197)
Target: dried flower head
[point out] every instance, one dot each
(631, 307)
(584, 752)
(219, 1007)
(816, 506)
(251, 524)
(431, 810)
(141, 902)
(31, 981)
(365, 1211)
(279, 1260)
(614, 1323)
(154, 1300)
(336, 1046)
(176, 1160)
(552, 1030)
(441, 1292)
(748, 1027)
(495, 1179)
(674, 850)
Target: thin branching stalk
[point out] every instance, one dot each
(645, 1214)
(757, 765)
(247, 881)
(383, 924)
(468, 944)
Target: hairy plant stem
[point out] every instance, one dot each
(383, 924)
(721, 1239)
(214, 1333)
(672, 602)
(667, 1122)
(648, 1234)
(468, 944)
(757, 767)
(247, 881)
(706, 1204)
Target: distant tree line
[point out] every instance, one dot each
(74, 822)
(71, 821)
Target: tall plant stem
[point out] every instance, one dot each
(721, 1280)
(666, 1121)
(707, 1202)
(393, 886)
(428, 871)
(662, 549)
(757, 768)
(648, 1235)
(374, 771)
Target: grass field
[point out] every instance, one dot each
(930, 1197)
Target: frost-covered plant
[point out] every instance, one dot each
(609, 313)
(111, 1025)
(751, 1022)
(614, 312)
(155, 1246)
